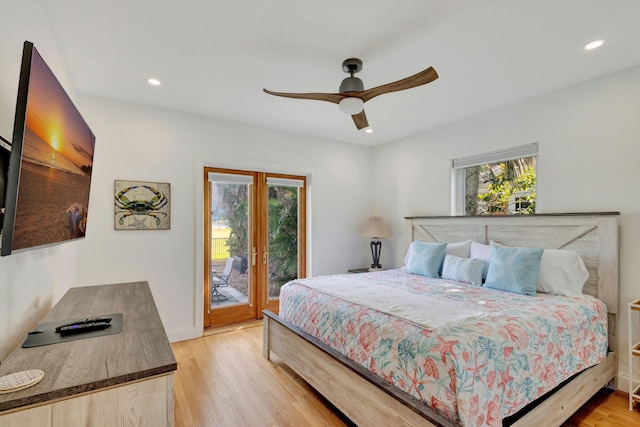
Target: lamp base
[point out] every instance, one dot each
(376, 246)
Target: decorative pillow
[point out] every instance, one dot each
(460, 249)
(483, 252)
(466, 270)
(426, 258)
(562, 272)
(514, 269)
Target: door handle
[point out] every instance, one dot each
(264, 256)
(254, 254)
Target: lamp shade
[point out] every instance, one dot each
(351, 105)
(376, 228)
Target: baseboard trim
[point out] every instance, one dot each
(623, 382)
(183, 334)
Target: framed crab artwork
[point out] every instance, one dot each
(140, 205)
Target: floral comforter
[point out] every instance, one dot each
(476, 369)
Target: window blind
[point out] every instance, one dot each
(285, 182)
(227, 178)
(528, 150)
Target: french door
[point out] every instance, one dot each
(254, 241)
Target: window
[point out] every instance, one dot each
(497, 183)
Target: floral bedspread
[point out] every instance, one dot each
(475, 371)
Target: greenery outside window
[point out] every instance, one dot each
(497, 183)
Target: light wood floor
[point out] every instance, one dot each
(223, 380)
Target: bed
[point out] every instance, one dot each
(393, 396)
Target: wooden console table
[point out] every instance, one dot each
(114, 380)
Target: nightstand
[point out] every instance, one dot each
(359, 270)
(363, 270)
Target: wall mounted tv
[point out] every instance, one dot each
(49, 174)
(5, 152)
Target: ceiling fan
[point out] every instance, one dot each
(351, 95)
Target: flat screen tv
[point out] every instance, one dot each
(5, 152)
(49, 175)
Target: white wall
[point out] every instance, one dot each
(134, 142)
(139, 143)
(30, 282)
(589, 137)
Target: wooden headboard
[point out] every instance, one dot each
(592, 235)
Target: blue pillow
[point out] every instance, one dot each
(514, 269)
(427, 258)
(468, 270)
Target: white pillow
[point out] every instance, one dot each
(407, 256)
(480, 251)
(483, 252)
(459, 249)
(562, 272)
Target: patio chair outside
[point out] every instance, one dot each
(219, 280)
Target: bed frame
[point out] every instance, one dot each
(368, 400)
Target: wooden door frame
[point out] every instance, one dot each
(233, 314)
(274, 304)
(258, 222)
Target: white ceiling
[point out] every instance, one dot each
(214, 57)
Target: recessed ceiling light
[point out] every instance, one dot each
(368, 130)
(594, 44)
(154, 82)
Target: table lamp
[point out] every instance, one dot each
(376, 229)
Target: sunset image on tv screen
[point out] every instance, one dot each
(57, 160)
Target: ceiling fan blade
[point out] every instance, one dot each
(421, 78)
(329, 97)
(360, 120)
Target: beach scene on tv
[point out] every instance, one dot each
(57, 159)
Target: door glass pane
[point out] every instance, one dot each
(230, 199)
(282, 219)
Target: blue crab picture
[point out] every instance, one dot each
(140, 200)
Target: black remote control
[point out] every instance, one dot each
(84, 322)
(83, 327)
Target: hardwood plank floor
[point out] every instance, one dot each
(223, 380)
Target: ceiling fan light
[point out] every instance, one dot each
(351, 105)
